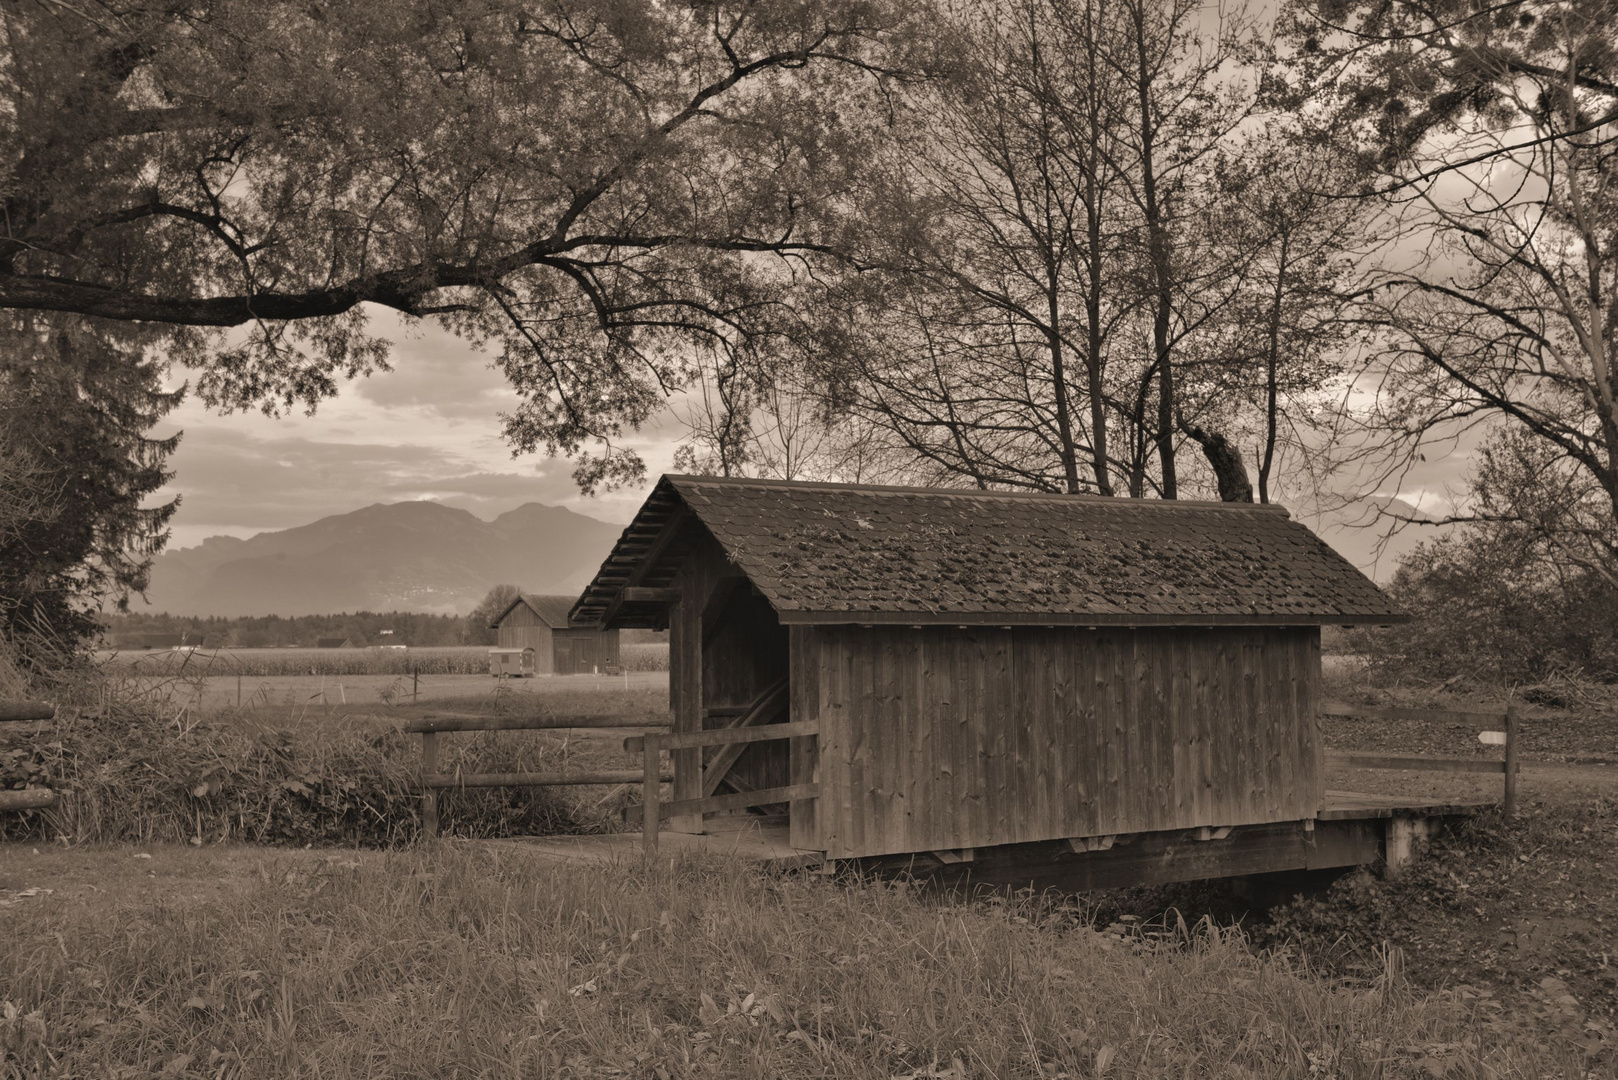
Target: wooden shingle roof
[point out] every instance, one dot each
(552, 610)
(838, 553)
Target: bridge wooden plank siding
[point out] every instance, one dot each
(1026, 678)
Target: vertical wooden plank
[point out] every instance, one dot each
(939, 706)
(429, 795)
(804, 694)
(686, 613)
(1509, 809)
(837, 716)
(650, 818)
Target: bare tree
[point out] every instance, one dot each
(1491, 145)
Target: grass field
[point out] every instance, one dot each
(461, 961)
(1493, 958)
(266, 663)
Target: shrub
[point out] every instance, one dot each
(1487, 606)
(132, 775)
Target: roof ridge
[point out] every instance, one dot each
(972, 493)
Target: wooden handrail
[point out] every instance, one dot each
(725, 736)
(1357, 759)
(521, 779)
(1354, 759)
(432, 725)
(471, 722)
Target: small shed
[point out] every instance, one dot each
(541, 623)
(988, 668)
(511, 663)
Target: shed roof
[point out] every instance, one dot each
(848, 553)
(552, 610)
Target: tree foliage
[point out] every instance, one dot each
(76, 404)
(479, 624)
(606, 191)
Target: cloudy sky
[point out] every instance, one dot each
(430, 429)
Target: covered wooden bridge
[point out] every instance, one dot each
(1045, 688)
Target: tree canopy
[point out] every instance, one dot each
(598, 187)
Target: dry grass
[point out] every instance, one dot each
(458, 962)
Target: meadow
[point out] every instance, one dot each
(241, 891)
(264, 663)
(479, 960)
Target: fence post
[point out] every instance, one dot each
(651, 779)
(415, 680)
(1510, 807)
(429, 795)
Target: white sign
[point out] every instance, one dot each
(1492, 738)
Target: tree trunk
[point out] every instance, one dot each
(1226, 461)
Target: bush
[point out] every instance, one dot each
(1488, 607)
(649, 656)
(132, 775)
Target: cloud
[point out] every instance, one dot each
(438, 373)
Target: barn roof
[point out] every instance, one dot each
(844, 553)
(552, 610)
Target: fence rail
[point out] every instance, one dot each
(1508, 768)
(432, 781)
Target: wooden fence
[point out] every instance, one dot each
(432, 781)
(22, 712)
(653, 811)
(1355, 759)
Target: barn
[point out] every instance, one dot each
(541, 623)
(989, 670)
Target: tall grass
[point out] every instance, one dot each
(482, 963)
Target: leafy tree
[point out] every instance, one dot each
(478, 628)
(611, 193)
(77, 402)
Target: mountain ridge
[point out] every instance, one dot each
(408, 556)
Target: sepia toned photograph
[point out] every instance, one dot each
(859, 539)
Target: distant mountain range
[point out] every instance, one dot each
(412, 556)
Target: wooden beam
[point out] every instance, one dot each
(1416, 762)
(429, 794)
(520, 779)
(766, 705)
(1154, 858)
(634, 594)
(27, 799)
(1400, 712)
(26, 710)
(665, 537)
(473, 722)
(687, 740)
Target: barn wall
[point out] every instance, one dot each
(942, 738)
(522, 629)
(581, 651)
